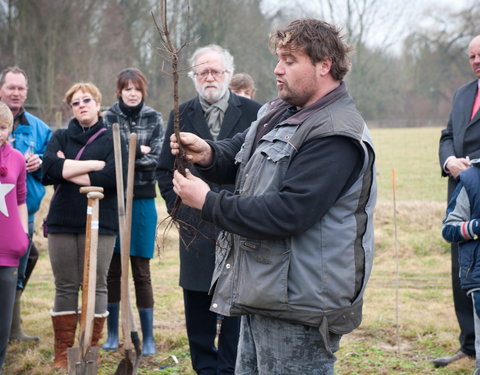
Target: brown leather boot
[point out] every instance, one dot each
(64, 327)
(98, 324)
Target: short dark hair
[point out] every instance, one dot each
(319, 40)
(12, 69)
(133, 75)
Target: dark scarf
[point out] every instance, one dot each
(82, 134)
(20, 118)
(130, 112)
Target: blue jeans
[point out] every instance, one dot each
(274, 347)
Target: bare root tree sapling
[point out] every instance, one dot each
(171, 53)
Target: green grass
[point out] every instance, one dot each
(408, 313)
(413, 153)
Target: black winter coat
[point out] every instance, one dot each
(68, 206)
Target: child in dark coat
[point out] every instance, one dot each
(462, 225)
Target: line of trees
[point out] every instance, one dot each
(400, 71)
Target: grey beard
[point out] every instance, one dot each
(212, 97)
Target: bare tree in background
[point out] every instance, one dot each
(47, 43)
(170, 51)
(241, 28)
(373, 28)
(436, 62)
(59, 42)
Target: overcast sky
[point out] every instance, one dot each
(389, 18)
(419, 4)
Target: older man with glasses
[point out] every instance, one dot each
(215, 113)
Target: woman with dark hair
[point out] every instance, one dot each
(80, 155)
(133, 116)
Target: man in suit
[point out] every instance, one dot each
(459, 143)
(215, 113)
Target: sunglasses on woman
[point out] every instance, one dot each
(76, 103)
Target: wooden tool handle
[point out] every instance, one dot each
(123, 234)
(94, 195)
(88, 189)
(89, 269)
(125, 303)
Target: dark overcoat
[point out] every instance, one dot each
(461, 137)
(197, 237)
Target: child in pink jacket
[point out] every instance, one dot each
(13, 224)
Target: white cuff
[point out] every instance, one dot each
(445, 164)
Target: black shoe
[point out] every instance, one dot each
(444, 361)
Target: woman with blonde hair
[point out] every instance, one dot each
(80, 155)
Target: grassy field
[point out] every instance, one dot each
(408, 316)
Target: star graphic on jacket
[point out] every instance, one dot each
(4, 189)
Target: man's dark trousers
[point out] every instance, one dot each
(201, 327)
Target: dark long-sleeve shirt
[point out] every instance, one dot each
(305, 194)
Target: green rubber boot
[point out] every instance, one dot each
(16, 331)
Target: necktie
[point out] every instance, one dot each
(476, 105)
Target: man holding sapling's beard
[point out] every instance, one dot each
(298, 284)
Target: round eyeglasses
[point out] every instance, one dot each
(214, 73)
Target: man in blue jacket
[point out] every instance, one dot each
(31, 136)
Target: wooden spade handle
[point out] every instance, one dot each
(125, 302)
(123, 220)
(89, 267)
(95, 195)
(88, 189)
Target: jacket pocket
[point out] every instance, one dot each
(266, 169)
(277, 151)
(263, 274)
(222, 250)
(467, 255)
